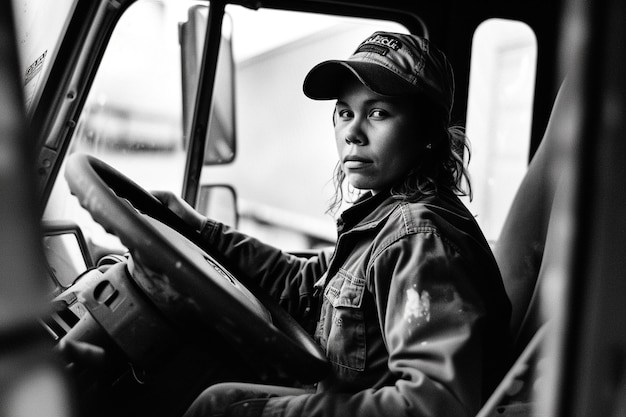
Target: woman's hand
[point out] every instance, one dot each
(81, 355)
(85, 362)
(181, 208)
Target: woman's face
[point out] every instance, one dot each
(377, 137)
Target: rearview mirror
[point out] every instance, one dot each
(220, 141)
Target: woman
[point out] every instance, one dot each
(410, 308)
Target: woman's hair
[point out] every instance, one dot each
(442, 164)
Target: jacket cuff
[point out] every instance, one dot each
(208, 230)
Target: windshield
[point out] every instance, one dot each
(132, 118)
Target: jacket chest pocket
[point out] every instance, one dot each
(341, 328)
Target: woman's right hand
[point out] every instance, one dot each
(181, 208)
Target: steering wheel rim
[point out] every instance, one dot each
(186, 284)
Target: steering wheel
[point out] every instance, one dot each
(188, 285)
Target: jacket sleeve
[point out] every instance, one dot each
(430, 316)
(289, 279)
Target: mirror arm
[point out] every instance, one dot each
(199, 124)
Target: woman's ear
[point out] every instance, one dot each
(335, 116)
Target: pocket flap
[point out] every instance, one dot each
(345, 290)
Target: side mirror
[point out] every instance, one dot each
(219, 202)
(221, 138)
(66, 250)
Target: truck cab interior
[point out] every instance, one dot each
(104, 101)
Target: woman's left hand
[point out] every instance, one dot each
(181, 208)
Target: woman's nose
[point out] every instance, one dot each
(354, 134)
(353, 139)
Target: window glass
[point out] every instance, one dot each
(502, 81)
(132, 118)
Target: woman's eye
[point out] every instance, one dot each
(378, 114)
(344, 113)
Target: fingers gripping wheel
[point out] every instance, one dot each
(188, 285)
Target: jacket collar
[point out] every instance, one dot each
(366, 212)
(369, 210)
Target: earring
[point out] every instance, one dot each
(429, 146)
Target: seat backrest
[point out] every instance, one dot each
(520, 248)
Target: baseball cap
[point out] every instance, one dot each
(389, 64)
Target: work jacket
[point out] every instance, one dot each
(409, 308)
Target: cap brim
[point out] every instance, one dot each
(326, 80)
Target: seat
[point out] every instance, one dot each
(527, 239)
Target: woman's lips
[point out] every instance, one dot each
(355, 162)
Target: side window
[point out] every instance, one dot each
(502, 81)
(132, 118)
(285, 142)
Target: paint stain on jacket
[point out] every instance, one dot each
(417, 306)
